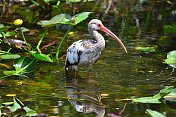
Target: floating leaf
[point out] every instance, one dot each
(163, 92)
(145, 49)
(17, 104)
(30, 112)
(155, 98)
(146, 100)
(41, 57)
(154, 113)
(171, 58)
(171, 96)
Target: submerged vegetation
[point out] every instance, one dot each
(37, 31)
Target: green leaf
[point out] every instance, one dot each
(3, 52)
(9, 56)
(171, 29)
(13, 106)
(30, 112)
(171, 96)
(5, 104)
(3, 28)
(9, 73)
(17, 104)
(171, 58)
(23, 29)
(164, 92)
(154, 113)
(146, 100)
(145, 49)
(58, 3)
(18, 101)
(65, 19)
(80, 17)
(8, 34)
(23, 65)
(47, 1)
(41, 57)
(61, 18)
(1, 25)
(155, 98)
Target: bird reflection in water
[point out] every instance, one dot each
(84, 96)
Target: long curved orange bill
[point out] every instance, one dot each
(106, 30)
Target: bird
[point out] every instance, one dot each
(86, 52)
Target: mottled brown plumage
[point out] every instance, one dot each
(86, 52)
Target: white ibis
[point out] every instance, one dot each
(86, 52)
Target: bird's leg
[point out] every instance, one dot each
(75, 73)
(75, 68)
(89, 67)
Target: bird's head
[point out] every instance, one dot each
(96, 24)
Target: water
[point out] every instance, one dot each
(115, 76)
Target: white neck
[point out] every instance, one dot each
(98, 37)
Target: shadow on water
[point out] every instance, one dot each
(83, 94)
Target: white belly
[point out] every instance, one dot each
(89, 58)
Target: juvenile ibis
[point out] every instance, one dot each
(86, 52)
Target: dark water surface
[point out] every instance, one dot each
(115, 76)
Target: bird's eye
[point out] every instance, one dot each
(99, 25)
